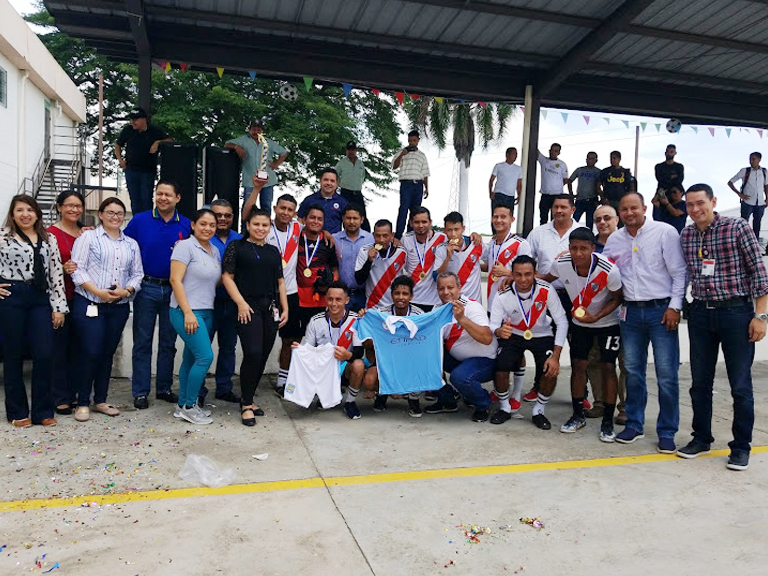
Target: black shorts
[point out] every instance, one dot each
(305, 315)
(292, 328)
(581, 340)
(512, 349)
(425, 307)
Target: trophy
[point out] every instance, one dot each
(262, 176)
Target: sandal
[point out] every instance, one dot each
(22, 423)
(248, 421)
(82, 414)
(107, 409)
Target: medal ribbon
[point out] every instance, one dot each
(592, 265)
(307, 257)
(534, 313)
(426, 262)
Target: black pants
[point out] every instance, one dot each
(256, 339)
(356, 197)
(64, 364)
(545, 207)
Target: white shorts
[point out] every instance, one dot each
(314, 372)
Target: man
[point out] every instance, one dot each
(420, 245)
(615, 181)
(141, 141)
(157, 232)
(669, 173)
(349, 242)
(458, 254)
(224, 310)
(521, 319)
(652, 268)
(378, 264)
(508, 178)
(351, 172)
(470, 351)
(334, 326)
(669, 207)
(316, 267)
(754, 191)
(593, 284)
(501, 251)
(727, 274)
(554, 175)
(251, 148)
(413, 173)
(586, 193)
(329, 201)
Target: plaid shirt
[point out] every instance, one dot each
(739, 268)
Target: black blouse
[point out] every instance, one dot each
(256, 268)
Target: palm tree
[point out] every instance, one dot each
(434, 117)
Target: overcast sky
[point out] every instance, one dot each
(708, 159)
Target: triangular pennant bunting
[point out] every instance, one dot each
(586, 119)
(711, 131)
(167, 67)
(643, 125)
(728, 132)
(220, 72)
(399, 96)
(608, 120)
(760, 132)
(658, 127)
(376, 92)
(183, 67)
(626, 123)
(544, 114)
(482, 104)
(347, 89)
(565, 117)
(307, 82)
(695, 129)
(252, 74)
(415, 96)
(439, 99)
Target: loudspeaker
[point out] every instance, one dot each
(221, 177)
(178, 162)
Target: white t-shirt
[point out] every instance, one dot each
(423, 255)
(459, 343)
(465, 263)
(507, 176)
(596, 290)
(755, 186)
(552, 174)
(287, 241)
(395, 257)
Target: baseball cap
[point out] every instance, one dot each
(137, 113)
(351, 145)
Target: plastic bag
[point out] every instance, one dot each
(203, 470)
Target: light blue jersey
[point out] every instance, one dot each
(409, 349)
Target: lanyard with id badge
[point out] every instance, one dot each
(707, 263)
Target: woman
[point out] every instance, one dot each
(253, 277)
(70, 205)
(107, 274)
(32, 306)
(195, 272)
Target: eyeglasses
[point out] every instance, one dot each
(225, 216)
(111, 214)
(604, 218)
(72, 206)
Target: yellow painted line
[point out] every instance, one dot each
(283, 485)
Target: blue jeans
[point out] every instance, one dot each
(25, 317)
(198, 354)
(641, 327)
(225, 325)
(99, 337)
(708, 330)
(140, 189)
(467, 378)
(411, 193)
(152, 302)
(587, 207)
(756, 212)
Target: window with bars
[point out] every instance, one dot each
(3, 87)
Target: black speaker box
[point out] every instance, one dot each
(178, 162)
(221, 177)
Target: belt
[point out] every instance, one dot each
(414, 181)
(158, 281)
(714, 304)
(648, 303)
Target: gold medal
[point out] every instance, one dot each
(307, 272)
(422, 275)
(527, 334)
(285, 263)
(494, 278)
(454, 240)
(580, 312)
(378, 247)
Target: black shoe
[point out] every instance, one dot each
(64, 409)
(430, 396)
(280, 391)
(380, 404)
(693, 448)
(248, 421)
(141, 402)
(480, 415)
(229, 397)
(414, 409)
(499, 417)
(169, 397)
(541, 422)
(440, 408)
(738, 460)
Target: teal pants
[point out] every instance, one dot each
(198, 354)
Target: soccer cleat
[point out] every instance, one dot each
(531, 396)
(351, 410)
(414, 409)
(500, 416)
(574, 423)
(693, 449)
(606, 432)
(440, 408)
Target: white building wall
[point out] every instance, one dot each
(9, 154)
(34, 128)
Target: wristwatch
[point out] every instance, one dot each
(763, 317)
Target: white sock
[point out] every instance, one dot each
(517, 384)
(351, 394)
(282, 377)
(504, 401)
(541, 404)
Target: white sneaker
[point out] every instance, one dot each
(203, 410)
(194, 416)
(177, 412)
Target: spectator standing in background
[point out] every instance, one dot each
(669, 173)
(754, 191)
(554, 175)
(586, 193)
(506, 181)
(413, 173)
(351, 171)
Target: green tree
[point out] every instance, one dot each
(198, 106)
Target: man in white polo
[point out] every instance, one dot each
(506, 181)
(554, 175)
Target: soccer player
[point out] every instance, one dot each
(460, 255)
(378, 264)
(420, 245)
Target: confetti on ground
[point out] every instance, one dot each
(52, 568)
(261, 456)
(533, 522)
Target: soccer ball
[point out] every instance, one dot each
(289, 92)
(674, 125)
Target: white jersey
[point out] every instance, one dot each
(388, 265)
(504, 254)
(420, 264)
(320, 330)
(459, 343)
(314, 371)
(533, 315)
(465, 263)
(592, 292)
(288, 244)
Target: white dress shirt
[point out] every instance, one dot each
(546, 243)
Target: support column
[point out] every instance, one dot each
(145, 83)
(527, 201)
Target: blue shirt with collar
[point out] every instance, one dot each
(221, 292)
(346, 251)
(156, 239)
(332, 208)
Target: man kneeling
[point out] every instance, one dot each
(469, 354)
(520, 321)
